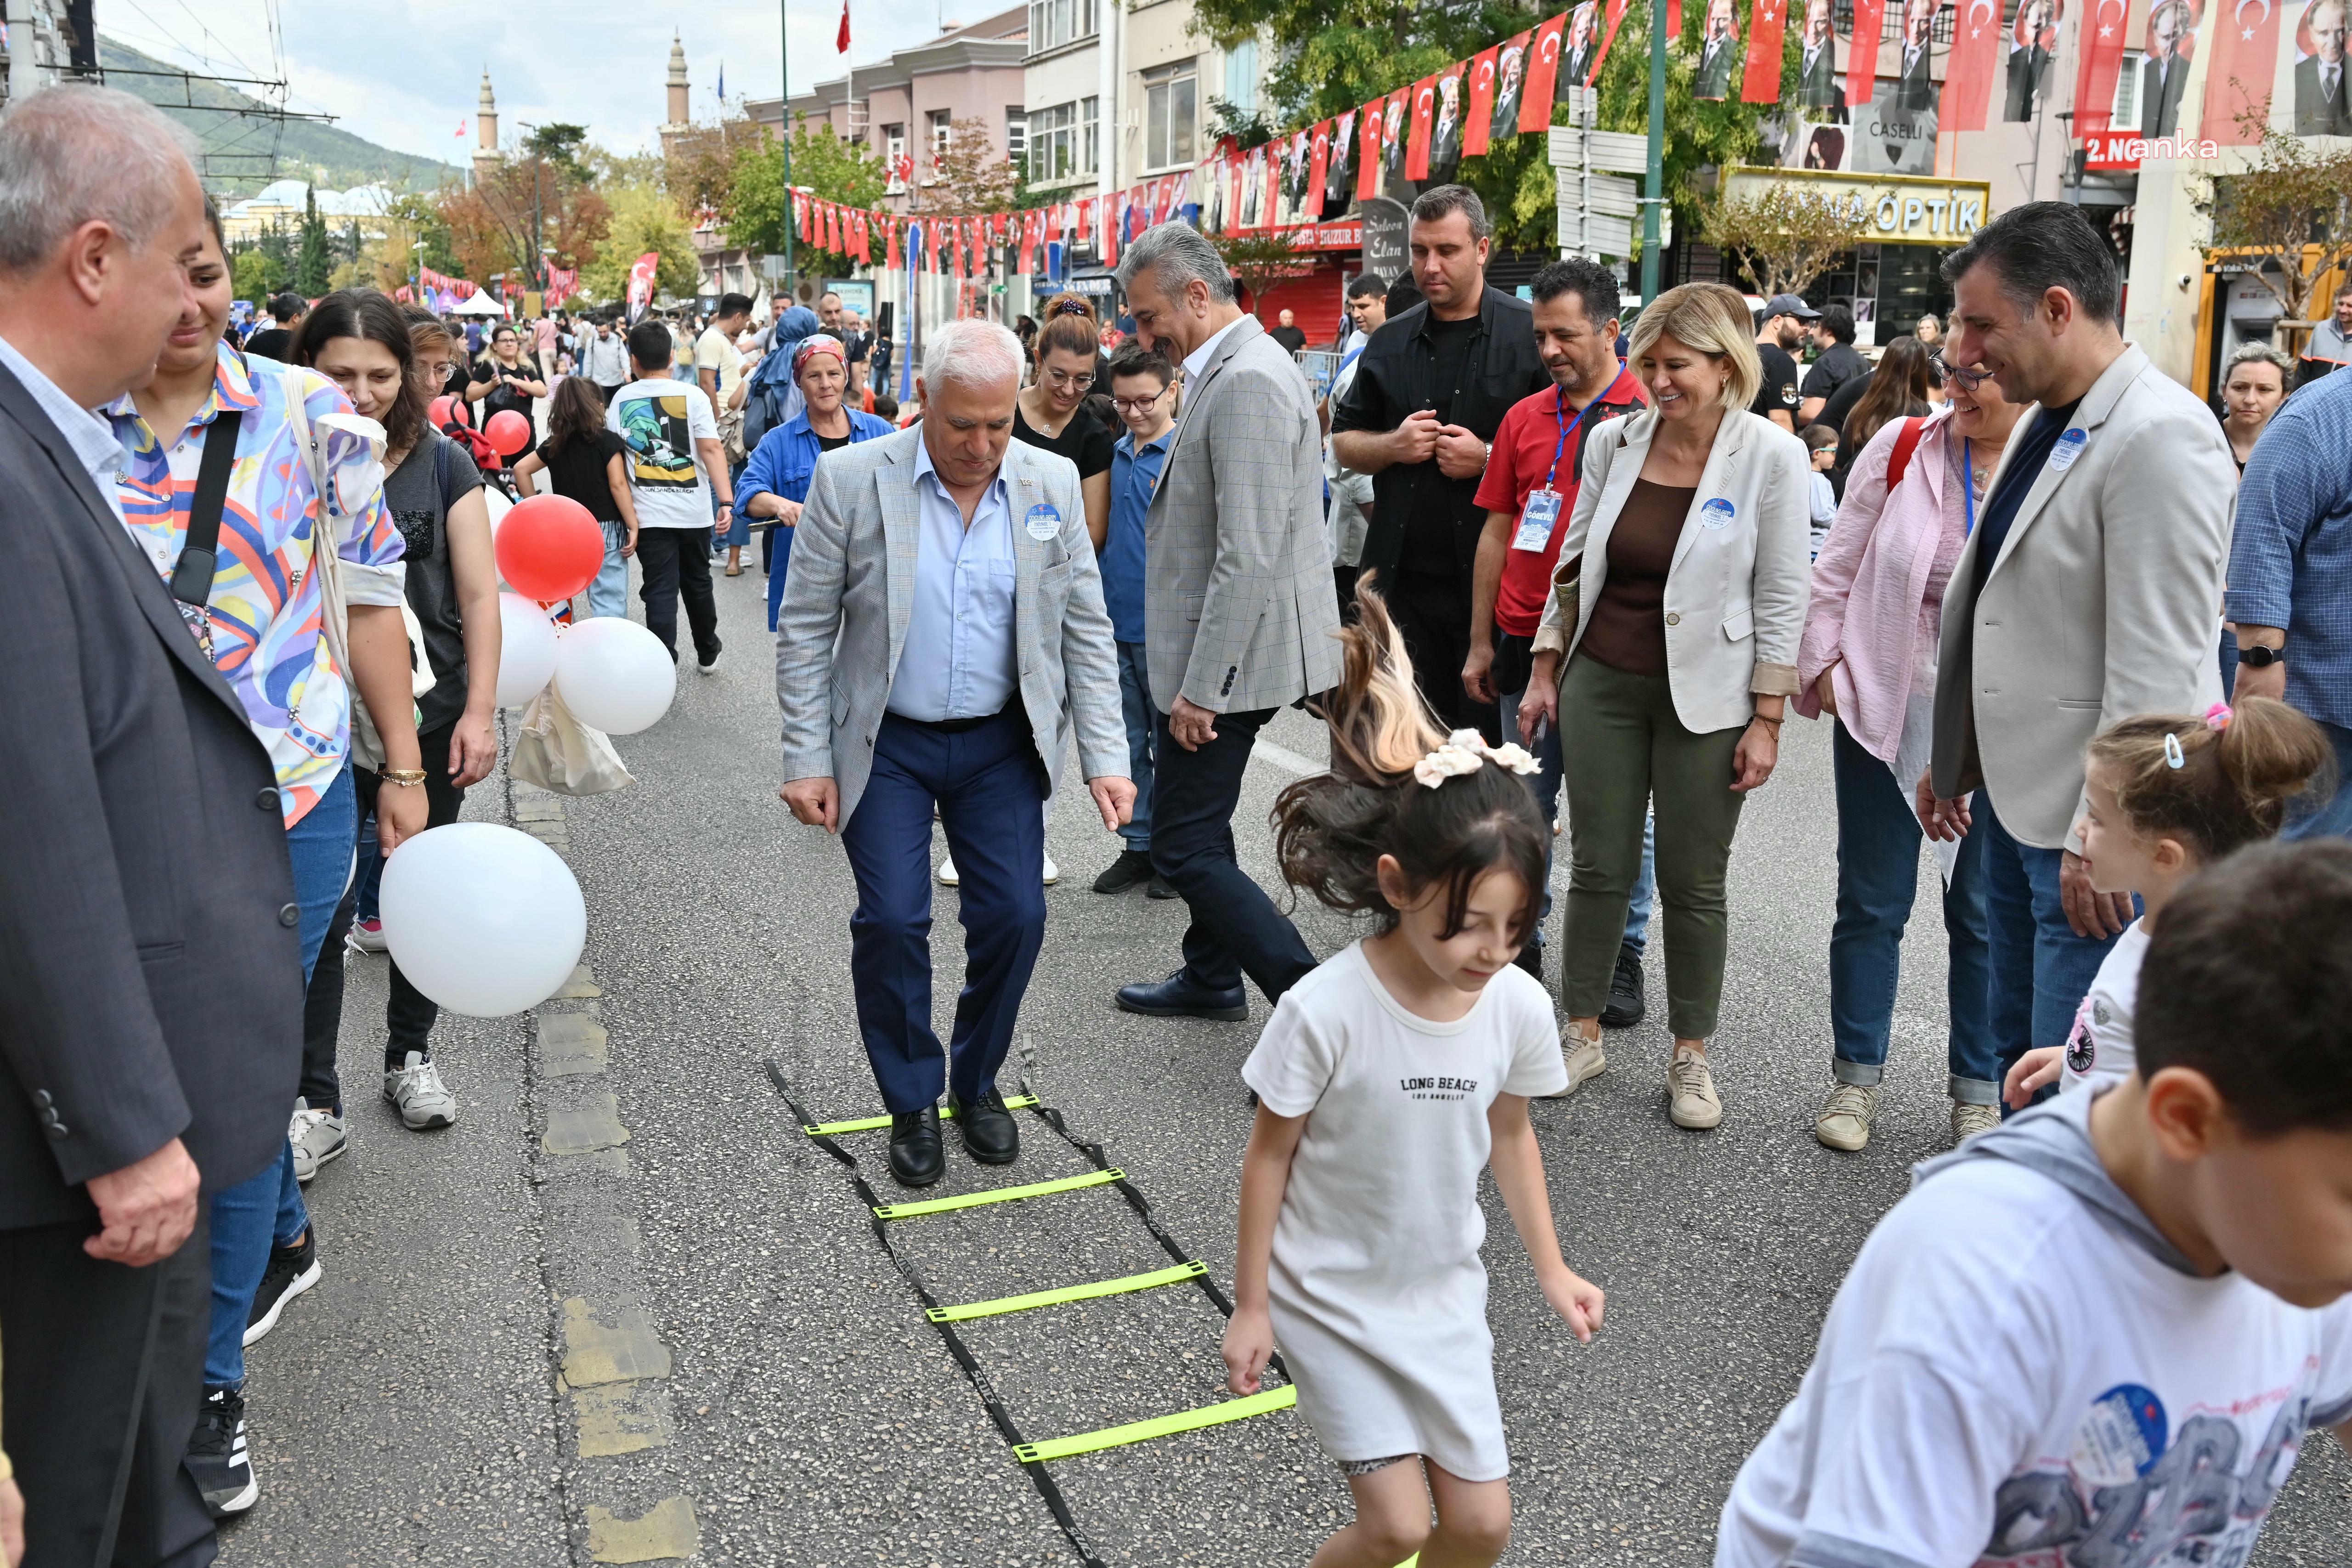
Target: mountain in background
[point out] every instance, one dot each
(303, 149)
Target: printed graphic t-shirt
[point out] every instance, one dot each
(2100, 1045)
(2021, 1370)
(660, 421)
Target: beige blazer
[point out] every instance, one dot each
(1735, 604)
(2103, 603)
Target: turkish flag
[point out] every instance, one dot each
(1482, 101)
(860, 245)
(1970, 70)
(890, 237)
(1761, 83)
(2245, 56)
(841, 38)
(1416, 149)
(801, 212)
(1543, 75)
(1318, 164)
(1862, 49)
(1371, 151)
(1616, 17)
(2102, 52)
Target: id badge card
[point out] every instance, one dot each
(1536, 522)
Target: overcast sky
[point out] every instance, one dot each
(403, 74)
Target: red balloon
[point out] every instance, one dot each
(550, 547)
(509, 431)
(446, 409)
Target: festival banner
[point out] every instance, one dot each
(1543, 74)
(1446, 133)
(1862, 49)
(1416, 152)
(1480, 125)
(1369, 152)
(1030, 227)
(1395, 140)
(2245, 68)
(1318, 168)
(801, 214)
(1970, 69)
(642, 274)
(1761, 81)
(1616, 18)
(1341, 174)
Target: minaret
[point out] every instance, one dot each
(486, 121)
(679, 122)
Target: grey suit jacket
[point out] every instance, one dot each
(843, 622)
(1240, 610)
(150, 983)
(2103, 603)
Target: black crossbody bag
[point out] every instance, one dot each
(191, 575)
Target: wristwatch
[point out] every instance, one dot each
(2259, 656)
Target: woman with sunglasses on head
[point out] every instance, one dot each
(1051, 413)
(776, 480)
(1868, 660)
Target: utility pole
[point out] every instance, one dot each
(1655, 193)
(785, 129)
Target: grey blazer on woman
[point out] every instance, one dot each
(1240, 612)
(843, 622)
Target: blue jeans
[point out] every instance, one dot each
(1878, 878)
(1135, 706)
(989, 787)
(1547, 787)
(2037, 970)
(266, 1210)
(778, 558)
(2333, 818)
(608, 592)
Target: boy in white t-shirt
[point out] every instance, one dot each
(2099, 1333)
(675, 466)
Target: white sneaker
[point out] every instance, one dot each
(416, 1091)
(1844, 1120)
(711, 668)
(365, 936)
(947, 877)
(1052, 872)
(1584, 1059)
(1969, 1120)
(317, 1136)
(1690, 1088)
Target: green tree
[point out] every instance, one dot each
(250, 274)
(560, 143)
(756, 204)
(644, 219)
(314, 262)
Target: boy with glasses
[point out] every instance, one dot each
(1142, 391)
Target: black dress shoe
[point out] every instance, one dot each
(1626, 1002)
(990, 1134)
(1181, 996)
(1132, 866)
(915, 1156)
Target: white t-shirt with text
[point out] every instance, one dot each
(660, 421)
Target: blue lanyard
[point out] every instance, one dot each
(1967, 490)
(1560, 414)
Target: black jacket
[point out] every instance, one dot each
(150, 979)
(1396, 375)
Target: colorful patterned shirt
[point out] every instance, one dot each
(265, 602)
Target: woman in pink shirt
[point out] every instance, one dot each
(1868, 660)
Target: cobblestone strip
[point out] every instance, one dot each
(611, 1368)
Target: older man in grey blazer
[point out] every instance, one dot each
(1240, 613)
(2089, 590)
(941, 638)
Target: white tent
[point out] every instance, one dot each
(479, 303)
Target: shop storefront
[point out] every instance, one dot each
(1891, 280)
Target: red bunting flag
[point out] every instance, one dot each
(1616, 15)
(1114, 219)
(890, 237)
(1482, 100)
(1318, 166)
(1969, 70)
(1543, 76)
(1028, 242)
(1416, 151)
(1761, 81)
(2245, 51)
(1673, 18)
(2102, 55)
(1371, 151)
(1862, 49)
(864, 239)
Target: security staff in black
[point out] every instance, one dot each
(1430, 391)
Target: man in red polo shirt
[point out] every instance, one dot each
(1528, 492)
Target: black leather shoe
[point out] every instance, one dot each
(1158, 888)
(1180, 996)
(1626, 1002)
(915, 1156)
(990, 1134)
(1133, 866)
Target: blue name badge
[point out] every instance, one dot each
(2069, 447)
(1716, 514)
(1043, 521)
(1536, 522)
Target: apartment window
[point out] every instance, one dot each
(1061, 142)
(1241, 76)
(1016, 133)
(1170, 115)
(941, 131)
(2126, 114)
(1090, 134)
(894, 144)
(1052, 22)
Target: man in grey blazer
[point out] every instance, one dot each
(941, 638)
(2088, 592)
(151, 984)
(1240, 612)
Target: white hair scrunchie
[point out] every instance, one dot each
(1465, 751)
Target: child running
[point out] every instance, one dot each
(2168, 796)
(2099, 1333)
(1385, 1080)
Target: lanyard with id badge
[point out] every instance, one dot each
(1541, 513)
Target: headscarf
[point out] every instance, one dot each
(818, 343)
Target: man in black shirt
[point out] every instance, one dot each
(1430, 391)
(1783, 328)
(1287, 333)
(1838, 363)
(277, 341)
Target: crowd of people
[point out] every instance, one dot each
(2077, 633)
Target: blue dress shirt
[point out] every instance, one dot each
(1134, 475)
(2291, 551)
(958, 661)
(92, 437)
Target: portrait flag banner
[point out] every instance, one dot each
(642, 274)
(1318, 165)
(1028, 242)
(2101, 60)
(1543, 75)
(1969, 70)
(801, 212)
(1861, 52)
(1601, 56)
(1482, 101)
(1416, 149)
(1761, 81)
(1370, 150)
(2240, 77)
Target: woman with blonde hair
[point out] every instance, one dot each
(1669, 645)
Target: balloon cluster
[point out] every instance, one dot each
(612, 673)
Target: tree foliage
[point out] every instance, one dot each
(519, 207)
(1260, 259)
(1785, 234)
(2292, 209)
(970, 176)
(313, 263)
(699, 165)
(251, 275)
(642, 218)
(560, 143)
(758, 204)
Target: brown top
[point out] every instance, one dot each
(1628, 628)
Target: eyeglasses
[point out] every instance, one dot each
(1064, 378)
(1970, 380)
(1137, 405)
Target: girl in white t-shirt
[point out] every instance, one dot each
(2168, 796)
(1387, 1079)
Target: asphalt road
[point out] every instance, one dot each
(413, 1407)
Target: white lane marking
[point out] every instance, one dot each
(1285, 759)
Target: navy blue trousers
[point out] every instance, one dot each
(990, 789)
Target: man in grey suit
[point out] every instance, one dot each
(150, 983)
(2089, 590)
(1240, 614)
(2164, 74)
(2322, 98)
(1718, 51)
(941, 637)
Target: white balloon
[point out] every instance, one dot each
(496, 500)
(526, 650)
(615, 675)
(483, 920)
